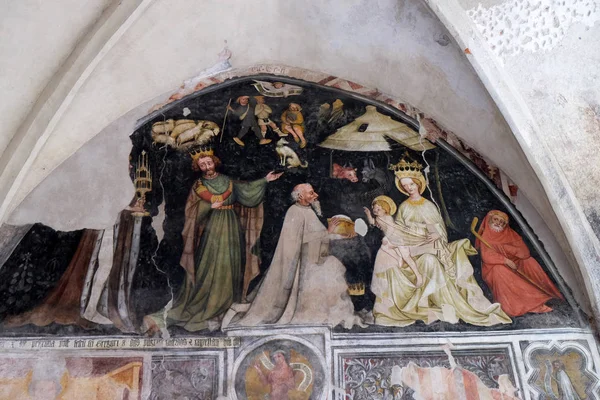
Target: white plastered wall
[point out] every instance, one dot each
(396, 46)
(33, 54)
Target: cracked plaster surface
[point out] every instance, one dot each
(518, 26)
(560, 87)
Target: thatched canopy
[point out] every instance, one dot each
(369, 132)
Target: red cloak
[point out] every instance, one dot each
(515, 294)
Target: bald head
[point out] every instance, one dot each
(304, 194)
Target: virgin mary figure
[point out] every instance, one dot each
(447, 291)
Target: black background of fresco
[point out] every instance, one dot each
(158, 270)
(35, 266)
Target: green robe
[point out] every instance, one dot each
(217, 243)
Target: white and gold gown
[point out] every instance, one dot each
(449, 291)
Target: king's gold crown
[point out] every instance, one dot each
(356, 289)
(201, 152)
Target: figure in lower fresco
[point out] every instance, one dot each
(55, 377)
(246, 113)
(304, 284)
(46, 380)
(556, 376)
(280, 378)
(452, 383)
(449, 291)
(280, 373)
(292, 121)
(515, 278)
(214, 246)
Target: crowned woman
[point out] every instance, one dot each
(447, 291)
(223, 220)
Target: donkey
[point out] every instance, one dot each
(369, 173)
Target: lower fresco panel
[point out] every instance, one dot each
(560, 370)
(425, 373)
(70, 376)
(305, 363)
(184, 377)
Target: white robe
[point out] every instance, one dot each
(566, 391)
(303, 285)
(449, 292)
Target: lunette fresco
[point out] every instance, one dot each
(289, 205)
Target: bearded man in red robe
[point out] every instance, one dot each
(517, 281)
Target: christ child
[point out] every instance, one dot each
(382, 217)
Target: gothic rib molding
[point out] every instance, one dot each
(28, 141)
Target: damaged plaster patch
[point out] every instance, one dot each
(591, 117)
(157, 224)
(519, 26)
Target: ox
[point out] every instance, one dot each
(340, 172)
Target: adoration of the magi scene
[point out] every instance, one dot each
(293, 240)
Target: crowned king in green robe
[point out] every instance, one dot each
(216, 252)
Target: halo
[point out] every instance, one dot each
(418, 177)
(388, 201)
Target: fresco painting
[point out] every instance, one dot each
(561, 370)
(431, 375)
(71, 377)
(262, 228)
(560, 380)
(280, 369)
(284, 205)
(183, 377)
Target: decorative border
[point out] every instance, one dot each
(328, 347)
(118, 342)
